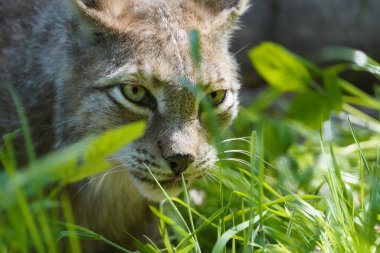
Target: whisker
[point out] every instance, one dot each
(246, 162)
(237, 160)
(96, 178)
(244, 152)
(107, 173)
(204, 179)
(117, 158)
(241, 49)
(245, 139)
(211, 176)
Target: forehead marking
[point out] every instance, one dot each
(176, 36)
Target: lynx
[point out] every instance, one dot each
(84, 66)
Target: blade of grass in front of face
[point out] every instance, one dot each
(69, 218)
(11, 223)
(24, 124)
(46, 229)
(14, 234)
(163, 230)
(188, 207)
(21, 196)
(168, 220)
(29, 221)
(62, 165)
(9, 165)
(171, 203)
(195, 48)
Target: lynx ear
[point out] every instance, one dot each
(91, 21)
(102, 12)
(225, 12)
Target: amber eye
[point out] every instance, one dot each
(216, 97)
(134, 93)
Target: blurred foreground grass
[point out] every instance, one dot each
(298, 173)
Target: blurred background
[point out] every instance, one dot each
(306, 27)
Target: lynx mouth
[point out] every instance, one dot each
(149, 187)
(169, 182)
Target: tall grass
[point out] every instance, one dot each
(298, 173)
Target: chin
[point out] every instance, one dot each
(151, 191)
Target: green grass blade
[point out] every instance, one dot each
(222, 241)
(24, 124)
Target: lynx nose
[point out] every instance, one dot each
(179, 163)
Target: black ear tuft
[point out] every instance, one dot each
(231, 3)
(220, 5)
(93, 4)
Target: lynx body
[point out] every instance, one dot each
(83, 66)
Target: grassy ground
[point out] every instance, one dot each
(299, 172)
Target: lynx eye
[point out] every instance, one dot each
(134, 93)
(216, 97)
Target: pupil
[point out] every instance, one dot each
(213, 94)
(135, 90)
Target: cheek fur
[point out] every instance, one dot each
(99, 112)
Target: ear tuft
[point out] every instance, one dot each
(225, 13)
(93, 4)
(239, 6)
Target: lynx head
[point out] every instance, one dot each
(132, 60)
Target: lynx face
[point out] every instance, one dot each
(132, 60)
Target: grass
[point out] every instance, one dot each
(298, 173)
